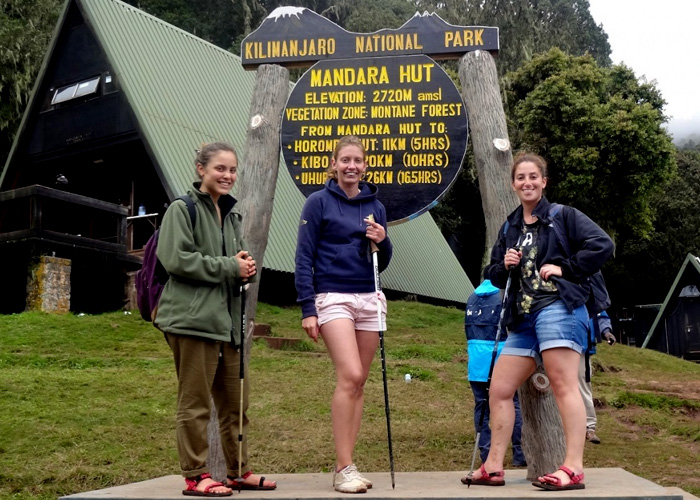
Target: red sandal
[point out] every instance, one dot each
(192, 490)
(486, 479)
(553, 483)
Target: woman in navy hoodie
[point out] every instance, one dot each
(334, 279)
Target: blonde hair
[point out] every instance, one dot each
(348, 140)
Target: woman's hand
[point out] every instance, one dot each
(375, 231)
(310, 324)
(549, 270)
(246, 265)
(512, 257)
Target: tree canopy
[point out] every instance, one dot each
(528, 27)
(646, 268)
(26, 27)
(600, 130)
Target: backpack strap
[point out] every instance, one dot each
(558, 226)
(190, 208)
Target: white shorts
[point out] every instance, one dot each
(359, 307)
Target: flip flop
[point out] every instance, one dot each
(192, 490)
(553, 483)
(486, 478)
(238, 485)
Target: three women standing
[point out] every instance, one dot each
(199, 310)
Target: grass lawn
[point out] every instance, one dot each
(88, 402)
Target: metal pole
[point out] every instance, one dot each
(241, 349)
(378, 290)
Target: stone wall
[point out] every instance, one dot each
(48, 285)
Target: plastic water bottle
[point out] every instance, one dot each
(407, 378)
(142, 210)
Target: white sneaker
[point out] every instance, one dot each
(346, 480)
(352, 468)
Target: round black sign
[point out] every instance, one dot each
(408, 113)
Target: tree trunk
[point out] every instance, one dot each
(215, 459)
(542, 433)
(489, 134)
(543, 437)
(257, 179)
(259, 169)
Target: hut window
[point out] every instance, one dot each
(76, 90)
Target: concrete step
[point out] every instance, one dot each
(603, 483)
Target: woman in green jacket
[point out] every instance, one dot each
(200, 313)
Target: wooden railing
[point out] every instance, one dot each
(47, 214)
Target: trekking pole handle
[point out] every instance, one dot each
(372, 245)
(518, 250)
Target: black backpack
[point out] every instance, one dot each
(152, 276)
(599, 299)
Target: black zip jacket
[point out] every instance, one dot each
(591, 247)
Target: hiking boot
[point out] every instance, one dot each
(592, 437)
(352, 468)
(347, 480)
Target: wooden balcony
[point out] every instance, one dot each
(52, 218)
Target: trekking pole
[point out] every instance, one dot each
(494, 353)
(241, 348)
(378, 291)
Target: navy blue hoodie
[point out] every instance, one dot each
(333, 253)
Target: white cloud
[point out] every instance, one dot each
(659, 40)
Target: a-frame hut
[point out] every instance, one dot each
(676, 330)
(107, 140)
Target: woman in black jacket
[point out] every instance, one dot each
(546, 315)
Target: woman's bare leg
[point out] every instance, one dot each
(352, 352)
(562, 365)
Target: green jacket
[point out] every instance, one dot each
(202, 296)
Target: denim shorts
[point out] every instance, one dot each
(359, 307)
(550, 327)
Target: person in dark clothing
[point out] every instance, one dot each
(200, 313)
(545, 312)
(334, 279)
(480, 325)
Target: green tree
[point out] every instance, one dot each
(26, 27)
(645, 268)
(690, 143)
(600, 130)
(529, 27)
(368, 16)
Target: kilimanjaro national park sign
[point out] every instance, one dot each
(296, 36)
(405, 108)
